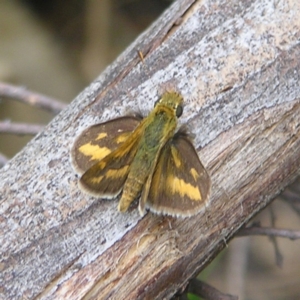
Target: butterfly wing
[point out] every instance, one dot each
(99, 140)
(179, 185)
(106, 178)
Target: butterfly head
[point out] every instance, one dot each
(172, 101)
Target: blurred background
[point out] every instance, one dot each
(57, 48)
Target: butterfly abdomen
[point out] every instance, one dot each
(153, 139)
(131, 191)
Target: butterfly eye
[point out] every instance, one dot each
(179, 111)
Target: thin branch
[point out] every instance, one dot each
(236, 266)
(23, 95)
(292, 195)
(20, 128)
(278, 255)
(3, 160)
(256, 230)
(208, 292)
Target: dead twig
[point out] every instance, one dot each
(291, 195)
(20, 128)
(208, 292)
(3, 160)
(278, 255)
(257, 230)
(28, 97)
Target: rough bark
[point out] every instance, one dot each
(237, 65)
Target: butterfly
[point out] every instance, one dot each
(144, 158)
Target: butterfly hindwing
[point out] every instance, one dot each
(99, 140)
(179, 185)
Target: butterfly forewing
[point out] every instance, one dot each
(107, 177)
(99, 140)
(180, 185)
